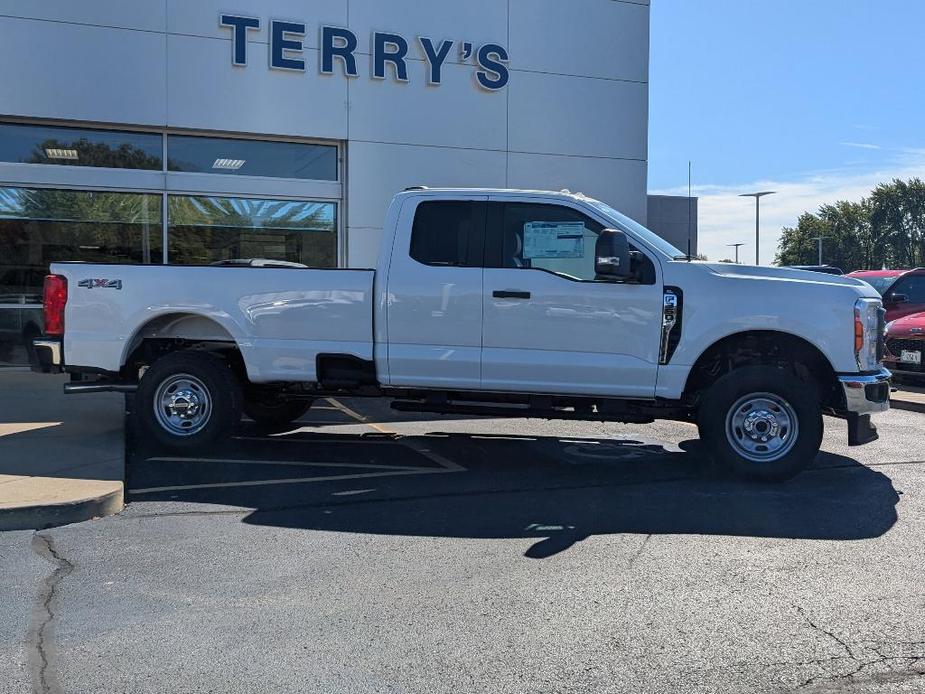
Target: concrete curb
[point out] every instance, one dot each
(41, 516)
(907, 405)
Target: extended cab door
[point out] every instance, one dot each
(549, 326)
(434, 295)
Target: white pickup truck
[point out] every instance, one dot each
(485, 302)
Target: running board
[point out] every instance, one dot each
(501, 411)
(77, 388)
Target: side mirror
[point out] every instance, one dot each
(894, 298)
(612, 256)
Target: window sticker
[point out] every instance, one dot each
(554, 240)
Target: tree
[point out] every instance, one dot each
(898, 221)
(886, 229)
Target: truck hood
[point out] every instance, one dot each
(787, 275)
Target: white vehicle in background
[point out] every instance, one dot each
(486, 302)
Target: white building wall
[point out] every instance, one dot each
(574, 114)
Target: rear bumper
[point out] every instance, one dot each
(49, 355)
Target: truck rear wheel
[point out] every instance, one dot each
(188, 400)
(762, 423)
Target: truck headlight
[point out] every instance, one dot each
(868, 333)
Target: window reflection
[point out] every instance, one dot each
(251, 157)
(206, 229)
(42, 226)
(35, 144)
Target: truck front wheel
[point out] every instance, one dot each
(762, 423)
(188, 400)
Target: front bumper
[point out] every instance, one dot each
(49, 355)
(865, 394)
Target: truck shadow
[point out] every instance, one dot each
(556, 492)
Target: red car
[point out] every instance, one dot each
(903, 291)
(905, 345)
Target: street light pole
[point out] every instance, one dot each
(757, 197)
(736, 246)
(820, 239)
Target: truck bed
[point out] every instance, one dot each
(281, 318)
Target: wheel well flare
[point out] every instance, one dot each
(765, 348)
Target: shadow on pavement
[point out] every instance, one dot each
(553, 490)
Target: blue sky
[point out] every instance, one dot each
(818, 99)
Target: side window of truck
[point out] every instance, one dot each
(449, 233)
(553, 238)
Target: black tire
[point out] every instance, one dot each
(211, 381)
(756, 404)
(274, 410)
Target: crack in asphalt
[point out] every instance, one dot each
(910, 660)
(42, 628)
(909, 673)
(825, 631)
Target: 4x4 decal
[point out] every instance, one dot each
(100, 284)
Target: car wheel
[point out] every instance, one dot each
(762, 423)
(188, 400)
(273, 409)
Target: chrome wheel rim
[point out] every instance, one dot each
(762, 427)
(183, 405)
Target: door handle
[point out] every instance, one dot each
(509, 294)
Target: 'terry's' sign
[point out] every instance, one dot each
(287, 52)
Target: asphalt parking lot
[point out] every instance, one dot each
(366, 551)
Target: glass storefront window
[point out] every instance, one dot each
(251, 158)
(41, 226)
(39, 144)
(206, 229)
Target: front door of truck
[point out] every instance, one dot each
(434, 295)
(549, 326)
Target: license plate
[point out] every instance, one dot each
(910, 357)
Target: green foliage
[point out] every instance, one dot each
(885, 230)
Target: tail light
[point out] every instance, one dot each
(54, 300)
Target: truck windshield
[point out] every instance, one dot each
(651, 238)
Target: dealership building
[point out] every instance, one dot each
(171, 131)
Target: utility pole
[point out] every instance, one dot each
(757, 197)
(820, 239)
(736, 246)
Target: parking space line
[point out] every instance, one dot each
(416, 446)
(288, 463)
(360, 418)
(280, 438)
(295, 480)
(446, 463)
